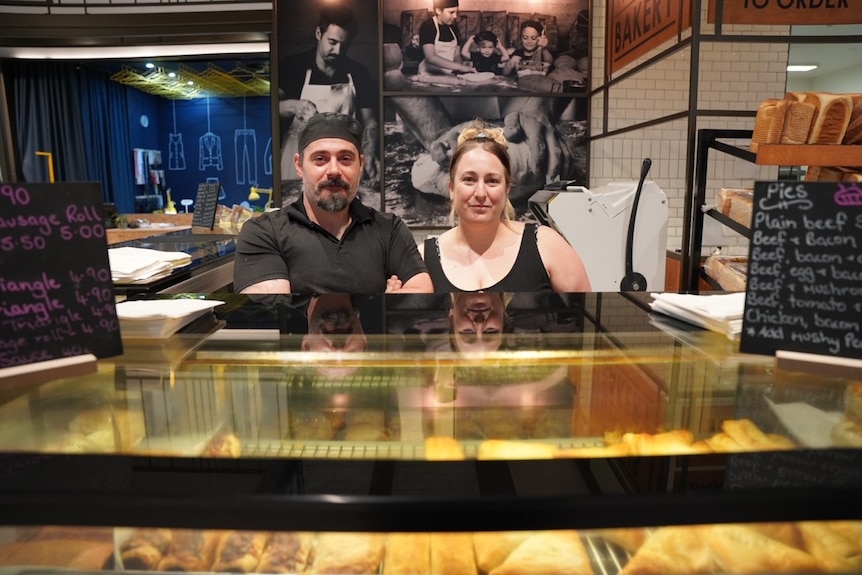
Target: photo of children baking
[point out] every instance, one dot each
(481, 46)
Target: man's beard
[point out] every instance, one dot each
(333, 202)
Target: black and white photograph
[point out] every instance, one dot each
(475, 46)
(546, 142)
(328, 54)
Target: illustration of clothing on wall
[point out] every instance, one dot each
(210, 152)
(245, 144)
(140, 159)
(176, 154)
(267, 158)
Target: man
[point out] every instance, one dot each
(328, 241)
(441, 44)
(324, 79)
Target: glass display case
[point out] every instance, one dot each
(477, 433)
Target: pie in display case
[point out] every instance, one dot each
(480, 433)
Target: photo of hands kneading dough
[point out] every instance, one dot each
(546, 135)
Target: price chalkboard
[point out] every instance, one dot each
(804, 287)
(206, 204)
(56, 293)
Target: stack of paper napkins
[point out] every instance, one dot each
(141, 265)
(718, 312)
(160, 318)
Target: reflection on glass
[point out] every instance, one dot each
(479, 321)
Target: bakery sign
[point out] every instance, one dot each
(787, 11)
(637, 26)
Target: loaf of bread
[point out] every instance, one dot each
(724, 198)
(763, 123)
(853, 135)
(786, 121)
(728, 271)
(831, 117)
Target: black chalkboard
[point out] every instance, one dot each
(206, 204)
(804, 287)
(56, 293)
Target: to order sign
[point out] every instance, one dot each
(788, 11)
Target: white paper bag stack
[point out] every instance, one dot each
(140, 265)
(717, 312)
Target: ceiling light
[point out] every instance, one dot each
(150, 65)
(800, 67)
(172, 74)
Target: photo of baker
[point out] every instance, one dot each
(461, 46)
(546, 142)
(328, 62)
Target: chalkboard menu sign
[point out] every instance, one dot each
(206, 204)
(56, 293)
(804, 288)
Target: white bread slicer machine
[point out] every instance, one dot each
(619, 230)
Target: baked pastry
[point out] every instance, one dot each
(834, 550)
(853, 401)
(515, 450)
(629, 538)
(548, 553)
(348, 553)
(672, 551)
(723, 443)
(847, 433)
(407, 554)
(286, 552)
(739, 549)
(190, 550)
(492, 547)
(452, 554)
(66, 553)
(224, 445)
(441, 448)
(746, 434)
(145, 549)
(239, 551)
(786, 532)
(676, 442)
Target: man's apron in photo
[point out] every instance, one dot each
(336, 98)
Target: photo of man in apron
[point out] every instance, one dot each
(441, 42)
(324, 79)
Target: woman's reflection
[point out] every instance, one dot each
(478, 321)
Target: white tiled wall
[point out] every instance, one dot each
(732, 77)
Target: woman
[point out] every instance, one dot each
(487, 250)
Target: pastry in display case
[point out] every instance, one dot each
(584, 438)
(771, 547)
